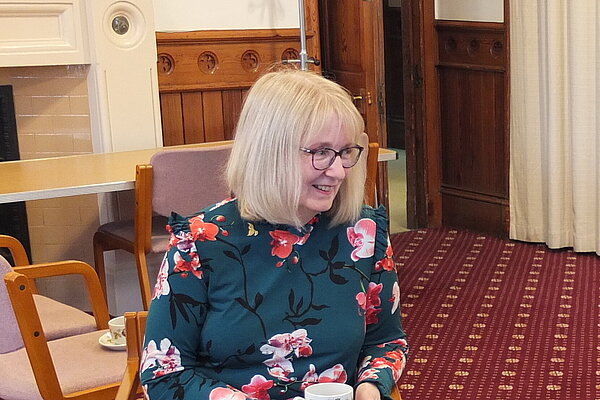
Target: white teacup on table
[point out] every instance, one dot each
(329, 391)
(117, 330)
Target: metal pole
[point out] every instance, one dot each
(303, 53)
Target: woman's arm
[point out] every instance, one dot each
(169, 368)
(385, 350)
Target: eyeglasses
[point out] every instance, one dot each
(324, 157)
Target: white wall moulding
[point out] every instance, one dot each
(123, 85)
(470, 10)
(37, 33)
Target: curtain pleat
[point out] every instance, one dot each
(555, 107)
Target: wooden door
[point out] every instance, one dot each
(352, 55)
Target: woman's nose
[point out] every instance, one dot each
(336, 170)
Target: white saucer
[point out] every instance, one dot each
(107, 342)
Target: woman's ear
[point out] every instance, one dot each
(363, 140)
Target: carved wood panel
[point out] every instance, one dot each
(474, 134)
(203, 76)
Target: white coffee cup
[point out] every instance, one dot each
(329, 391)
(117, 330)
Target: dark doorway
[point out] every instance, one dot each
(13, 216)
(394, 88)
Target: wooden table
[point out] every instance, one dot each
(47, 178)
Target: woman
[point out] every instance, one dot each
(291, 282)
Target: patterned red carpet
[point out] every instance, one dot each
(495, 319)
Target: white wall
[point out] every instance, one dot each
(191, 15)
(470, 10)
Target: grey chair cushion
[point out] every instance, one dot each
(61, 320)
(81, 363)
(125, 229)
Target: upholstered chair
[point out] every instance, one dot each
(33, 367)
(58, 319)
(180, 180)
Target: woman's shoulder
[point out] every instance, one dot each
(224, 210)
(379, 214)
(381, 235)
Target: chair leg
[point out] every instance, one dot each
(144, 280)
(99, 249)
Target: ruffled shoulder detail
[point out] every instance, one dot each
(379, 215)
(178, 223)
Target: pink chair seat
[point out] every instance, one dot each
(77, 359)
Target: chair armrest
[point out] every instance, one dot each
(130, 383)
(21, 297)
(99, 306)
(16, 249)
(135, 325)
(396, 393)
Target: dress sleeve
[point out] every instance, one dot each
(177, 312)
(385, 350)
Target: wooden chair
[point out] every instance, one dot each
(58, 319)
(396, 393)
(371, 181)
(184, 181)
(135, 325)
(73, 367)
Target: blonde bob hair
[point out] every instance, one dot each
(284, 111)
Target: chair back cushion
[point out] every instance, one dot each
(186, 181)
(10, 335)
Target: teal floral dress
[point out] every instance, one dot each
(249, 310)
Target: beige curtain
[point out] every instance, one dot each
(555, 111)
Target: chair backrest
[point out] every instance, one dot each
(10, 335)
(17, 251)
(371, 181)
(186, 181)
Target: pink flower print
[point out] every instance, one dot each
(333, 374)
(370, 302)
(283, 243)
(362, 238)
(337, 373)
(183, 241)
(201, 230)
(258, 387)
(370, 373)
(281, 346)
(395, 300)
(185, 266)
(394, 360)
(167, 358)
(162, 287)
(387, 262)
(226, 393)
(279, 368)
(310, 377)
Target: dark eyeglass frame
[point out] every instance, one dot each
(312, 152)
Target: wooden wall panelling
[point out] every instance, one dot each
(473, 101)
(213, 115)
(232, 105)
(219, 66)
(171, 115)
(193, 117)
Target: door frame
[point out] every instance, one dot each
(423, 149)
